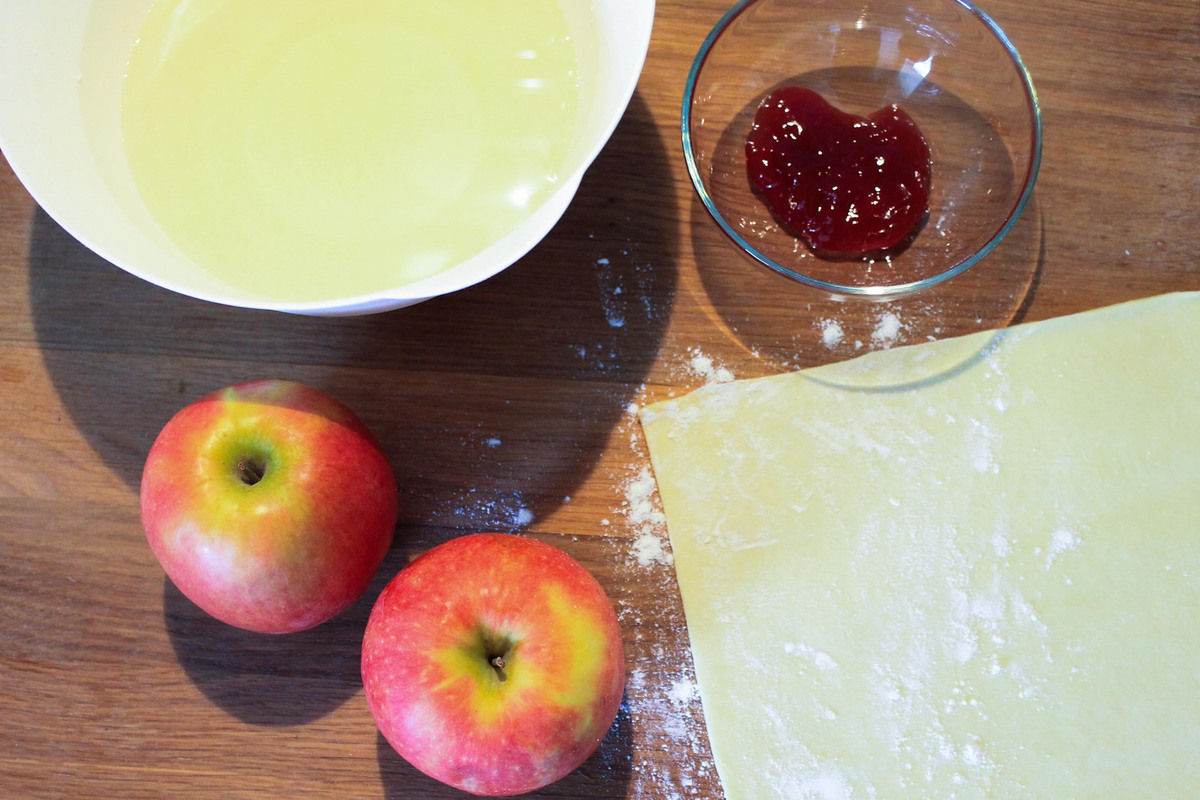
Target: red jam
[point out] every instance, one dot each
(844, 184)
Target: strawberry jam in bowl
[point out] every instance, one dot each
(870, 149)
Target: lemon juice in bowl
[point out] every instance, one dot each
(305, 149)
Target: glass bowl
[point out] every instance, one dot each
(944, 62)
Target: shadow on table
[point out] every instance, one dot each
(265, 679)
(789, 326)
(493, 403)
(268, 680)
(607, 773)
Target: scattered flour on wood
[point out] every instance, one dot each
(613, 314)
(704, 367)
(662, 700)
(662, 697)
(683, 692)
(621, 306)
(831, 332)
(887, 329)
(674, 713)
(475, 509)
(646, 519)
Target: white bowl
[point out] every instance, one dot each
(61, 69)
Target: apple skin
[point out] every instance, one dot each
(438, 699)
(285, 551)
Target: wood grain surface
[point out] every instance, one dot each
(504, 407)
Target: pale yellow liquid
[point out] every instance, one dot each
(312, 149)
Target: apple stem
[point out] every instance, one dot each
(251, 470)
(497, 663)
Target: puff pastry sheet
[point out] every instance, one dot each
(961, 569)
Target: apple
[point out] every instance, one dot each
(269, 504)
(493, 663)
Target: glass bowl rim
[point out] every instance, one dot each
(874, 290)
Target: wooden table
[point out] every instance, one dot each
(505, 407)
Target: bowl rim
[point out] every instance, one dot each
(877, 291)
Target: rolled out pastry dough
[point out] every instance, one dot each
(961, 569)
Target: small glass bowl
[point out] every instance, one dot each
(944, 62)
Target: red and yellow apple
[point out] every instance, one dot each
(493, 663)
(269, 504)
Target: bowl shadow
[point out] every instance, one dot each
(606, 773)
(490, 402)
